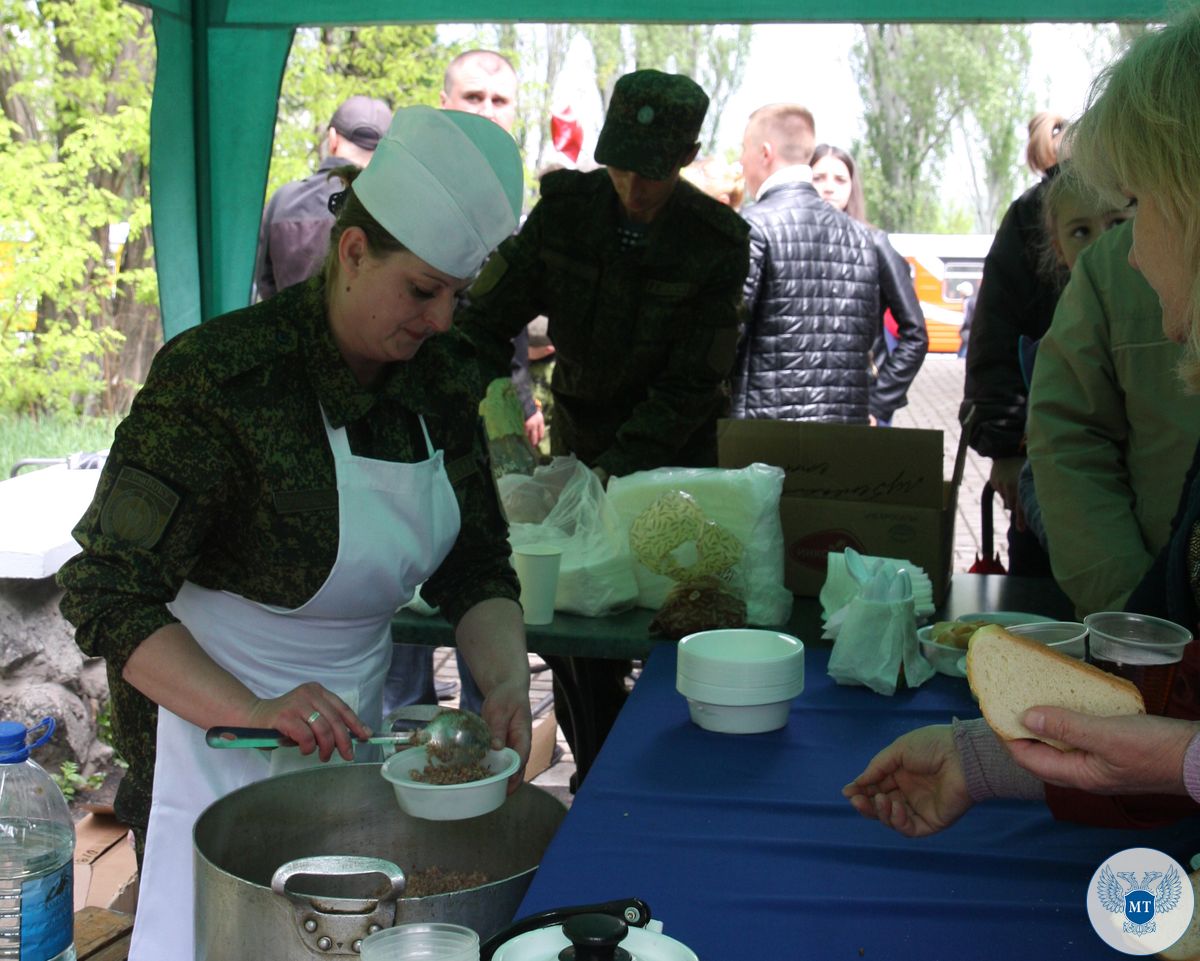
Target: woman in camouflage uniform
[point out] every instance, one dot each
(287, 476)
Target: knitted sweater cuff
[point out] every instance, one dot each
(989, 768)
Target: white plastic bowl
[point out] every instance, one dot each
(1004, 618)
(449, 802)
(741, 657)
(1066, 637)
(740, 680)
(739, 718)
(945, 658)
(733, 696)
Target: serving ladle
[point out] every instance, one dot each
(453, 736)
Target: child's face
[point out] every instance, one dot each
(1078, 223)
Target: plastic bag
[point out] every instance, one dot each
(563, 503)
(728, 526)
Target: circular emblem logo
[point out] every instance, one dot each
(645, 116)
(1140, 901)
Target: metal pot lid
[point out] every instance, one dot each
(552, 943)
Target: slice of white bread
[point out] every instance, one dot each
(1187, 948)
(1010, 674)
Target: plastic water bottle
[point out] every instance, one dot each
(37, 844)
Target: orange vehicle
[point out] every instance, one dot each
(946, 269)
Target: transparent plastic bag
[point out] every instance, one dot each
(563, 503)
(707, 522)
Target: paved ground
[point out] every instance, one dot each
(933, 404)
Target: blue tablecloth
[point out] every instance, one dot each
(745, 848)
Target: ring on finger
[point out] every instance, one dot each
(313, 717)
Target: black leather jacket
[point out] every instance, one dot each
(1015, 298)
(896, 370)
(812, 297)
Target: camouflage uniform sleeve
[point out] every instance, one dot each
(154, 506)
(477, 567)
(504, 298)
(686, 393)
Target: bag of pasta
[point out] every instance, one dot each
(687, 524)
(563, 503)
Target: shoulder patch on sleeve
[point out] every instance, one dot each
(493, 272)
(138, 508)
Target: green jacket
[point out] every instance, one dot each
(222, 475)
(1111, 432)
(644, 340)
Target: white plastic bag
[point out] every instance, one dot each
(563, 503)
(737, 505)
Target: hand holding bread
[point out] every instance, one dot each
(1097, 736)
(1010, 674)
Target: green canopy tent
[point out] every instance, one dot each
(221, 63)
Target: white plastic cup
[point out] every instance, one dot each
(423, 940)
(537, 570)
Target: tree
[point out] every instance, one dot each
(401, 65)
(918, 82)
(712, 55)
(994, 126)
(75, 80)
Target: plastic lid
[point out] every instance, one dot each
(13, 748)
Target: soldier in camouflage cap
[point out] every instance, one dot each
(640, 276)
(286, 477)
(652, 122)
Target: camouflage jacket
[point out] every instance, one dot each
(644, 339)
(222, 475)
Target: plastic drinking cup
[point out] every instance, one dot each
(1142, 649)
(537, 570)
(422, 941)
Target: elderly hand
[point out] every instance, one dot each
(313, 717)
(1134, 754)
(915, 785)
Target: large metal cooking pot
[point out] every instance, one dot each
(337, 847)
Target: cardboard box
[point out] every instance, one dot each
(105, 864)
(541, 753)
(880, 491)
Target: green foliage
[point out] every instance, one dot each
(714, 55)
(74, 148)
(71, 782)
(401, 65)
(54, 369)
(104, 733)
(51, 435)
(919, 82)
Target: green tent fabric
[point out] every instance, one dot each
(221, 62)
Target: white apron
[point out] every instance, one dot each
(396, 524)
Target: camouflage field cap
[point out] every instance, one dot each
(653, 118)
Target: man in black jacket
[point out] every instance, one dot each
(812, 293)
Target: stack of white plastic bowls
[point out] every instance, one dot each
(740, 680)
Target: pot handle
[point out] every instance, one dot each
(340, 865)
(633, 911)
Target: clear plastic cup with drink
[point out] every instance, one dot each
(1142, 649)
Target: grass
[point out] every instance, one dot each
(54, 435)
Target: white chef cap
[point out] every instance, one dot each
(446, 184)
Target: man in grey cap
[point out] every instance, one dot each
(640, 275)
(294, 236)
